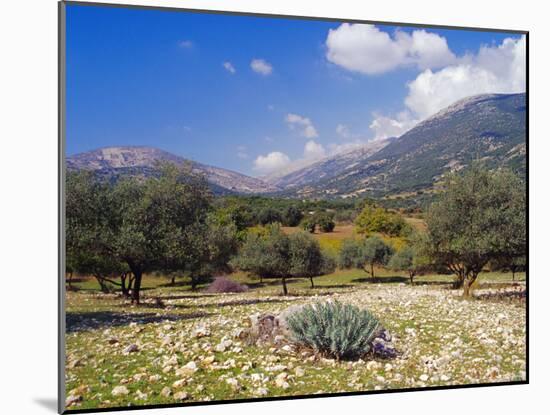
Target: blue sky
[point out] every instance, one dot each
(157, 78)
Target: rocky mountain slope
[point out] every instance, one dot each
(490, 128)
(141, 161)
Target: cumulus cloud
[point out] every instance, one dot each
(314, 150)
(336, 148)
(261, 66)
(271, 162)
(303, 124)
(494, 69)
(228, 66)
(384, 127)
(366, 49)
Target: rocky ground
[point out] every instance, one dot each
(194, 348)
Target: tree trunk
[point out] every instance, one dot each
(311, 279)
(468, 282)
(173, 282)
(193, 283)
(71, 279)
(102, 285)
(513, 269)
(285, 290)
(125, 289)
(372, 270)
(137, 287)
(411, 276)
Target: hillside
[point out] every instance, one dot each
(142, 161)
(489, 128)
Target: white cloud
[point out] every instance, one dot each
(336, 148)
(314, 151)
(305, 125)
(261, 66)
(229, 67)
(343, 131)
(494, 69)
(384, 127)
(185, 44)
(366, 49)
(271, 162)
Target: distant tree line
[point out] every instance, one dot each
(478, 221)
(171, 224)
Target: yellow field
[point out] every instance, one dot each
(330, 241)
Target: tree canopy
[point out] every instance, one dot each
(158, 223)
(364, 254)
(373, 219)
(480, 216)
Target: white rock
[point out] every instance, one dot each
(141, 396)
(261, 392)
(120, 390)
(181, 396)
(234, 383)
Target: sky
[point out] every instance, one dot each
(263, 95)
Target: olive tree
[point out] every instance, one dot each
(306, 258)
(364, 254)
(480, 216)
(158, 223)
(410, 260)
(266, 254)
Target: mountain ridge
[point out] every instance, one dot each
(488, 127)
(141, 161)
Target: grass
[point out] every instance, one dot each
(429, 307)
(441, 339)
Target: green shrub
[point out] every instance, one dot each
(337, 330)
(308, 224)
(325, 222)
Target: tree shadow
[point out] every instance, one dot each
(185, 296)
(397, 279)
(250, 301)
(272, 282)
(516, 295)
(321, 287)
(382, 280)
(76, 322)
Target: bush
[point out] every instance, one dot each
(378, 220)
(308, 224)
(325, 222)
(292, 216)
(340, 331)
(269, 215)
(225, 285)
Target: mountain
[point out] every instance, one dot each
(141, 161)
(328, 167)
(490, 128)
